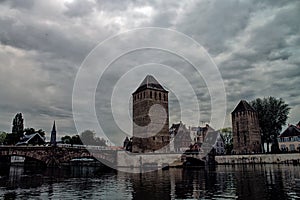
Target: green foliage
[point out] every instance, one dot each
(2, 137)
(71, 140)
(18, 125)
(11, 139)
(29, 131)
(88, 138)
(272, 115)
(76, 139)
(228, 139)
(17, 130)
(66, 139)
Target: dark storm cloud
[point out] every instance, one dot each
(255, 45)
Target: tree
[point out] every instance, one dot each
(100, 141)
(66, 139)
(76, 139)
(88, 138)
(71, 140)
(2, 137)
(17, 130)
(30, 131)
(272, 115)
(228, 139)
(18, 125)
(41, 132)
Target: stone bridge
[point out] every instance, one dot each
(56, 156)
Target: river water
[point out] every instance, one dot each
(222, 182)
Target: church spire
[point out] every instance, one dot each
(53, 135)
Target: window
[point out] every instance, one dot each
(153, 138)
(238, 132)
(164, 97)
(292, 147)
(159, 96)
(155, 95)
(150, 94)
(144, 95)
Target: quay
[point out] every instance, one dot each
(289, 158)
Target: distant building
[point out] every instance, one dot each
(198, 134)
(289, 139)
(212, 140)
(150, 133)
(180, 138)
(245, 129)
(32, 139)
(219, 145)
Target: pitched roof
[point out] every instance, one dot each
(290, 132)
(27, 138)
(243, 106)
(150, 83)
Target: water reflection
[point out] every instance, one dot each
(230, 182)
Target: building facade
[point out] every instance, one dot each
(198, 134)
(245, 129)
(150, 117)
(289, 139)
(180, 138)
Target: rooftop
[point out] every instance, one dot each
(291, 131)
(150, 83)
(243, 106)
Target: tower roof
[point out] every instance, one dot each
(243, 106)
(53, 127)
(53, 135)
(150, 83)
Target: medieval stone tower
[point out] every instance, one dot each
(245, 129)
(150, 117)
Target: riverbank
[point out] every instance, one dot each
(293, 158)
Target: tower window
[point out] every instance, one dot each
(238, 132)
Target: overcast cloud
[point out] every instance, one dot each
(255, 44)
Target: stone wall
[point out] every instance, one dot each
(259, 159)
(126, 159)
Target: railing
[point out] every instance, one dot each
(77, 146)
(91, 147)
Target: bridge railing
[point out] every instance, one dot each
(91, 147)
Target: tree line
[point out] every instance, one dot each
(18, 132)
(86, 137)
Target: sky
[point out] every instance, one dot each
(78, 61)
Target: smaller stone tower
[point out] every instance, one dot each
(245, 129)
